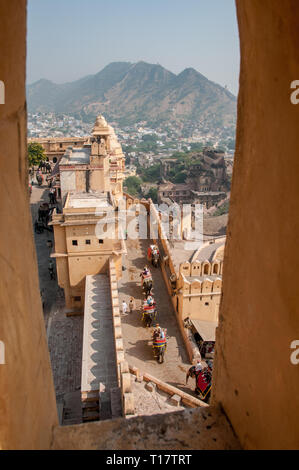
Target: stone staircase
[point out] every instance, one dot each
(99, 384)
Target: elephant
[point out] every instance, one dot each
(203, 381)
(155, 258)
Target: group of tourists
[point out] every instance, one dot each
(125, 306)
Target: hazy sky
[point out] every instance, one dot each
(68, 39)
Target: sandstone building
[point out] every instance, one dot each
(55, 147)
(91, 180)
(199, 284)
(255, 401)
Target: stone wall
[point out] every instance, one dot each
(124, 378)
(200, 298)
(27, 398)
(167, 268)
(200, 428)
(254, 379)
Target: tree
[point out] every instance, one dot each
(36, 154)
(153, 195)
(180, 177)
(151, 174)
(152, 138)
(132, 183)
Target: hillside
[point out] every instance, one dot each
(126, 92)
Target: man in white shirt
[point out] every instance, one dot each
(124, 308)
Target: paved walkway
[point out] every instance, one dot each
(98, 360)
(137, 338)
(49, 287)
(64, 333)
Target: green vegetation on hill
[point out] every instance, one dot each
(133, 185)
(223, 209)
(153, 195)
(149, 175)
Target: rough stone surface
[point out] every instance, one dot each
(182, 430)
(254, 379)
(175, 400)
(26, 380)
(128, 403)
(150, 386)
(149, 403)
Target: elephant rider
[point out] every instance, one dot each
(145, 274)
(150, 300)
(198, 367)
(159, 339)
(162, 334)
(145, 271)
(158, 332)
(155, 251)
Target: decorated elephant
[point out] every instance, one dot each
(203, 381)
(159, 343)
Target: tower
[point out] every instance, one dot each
(99, 156)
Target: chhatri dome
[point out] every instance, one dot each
(101, 127)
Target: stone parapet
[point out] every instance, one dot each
(124, 379)
(194, 429)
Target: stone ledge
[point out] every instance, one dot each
(187, 399)
(195, 429)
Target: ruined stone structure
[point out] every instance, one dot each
(208, 173)
(206, 183)
(184, 194)
(255, 384)
(167, 164)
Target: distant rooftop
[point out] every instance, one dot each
(88, 200)
(76, 156)
(206, 277)
(180, 252)
(207, 253)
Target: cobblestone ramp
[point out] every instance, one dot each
(99, 369)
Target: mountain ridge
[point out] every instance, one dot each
(133, 92)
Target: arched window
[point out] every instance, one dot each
(206, 268)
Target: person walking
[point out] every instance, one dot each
(51, 270)
(124, 308)
(51, 197)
